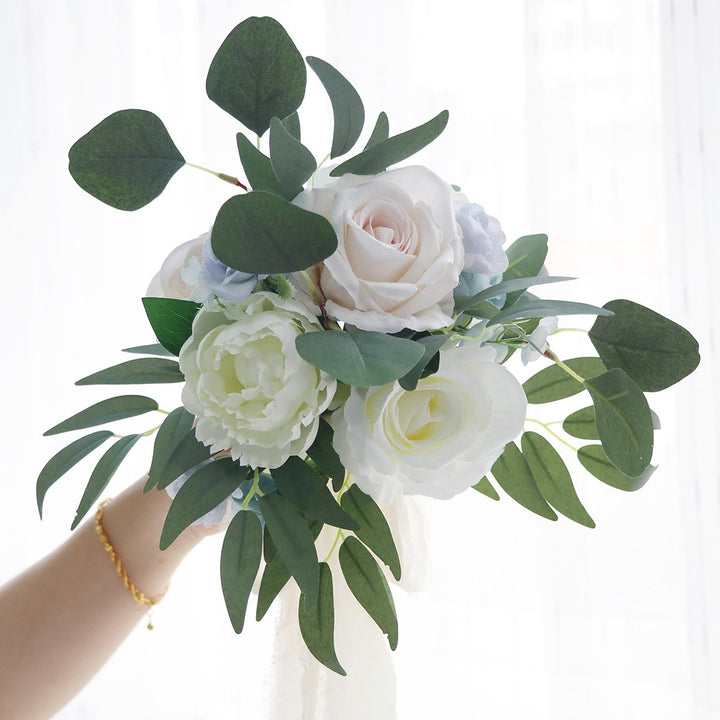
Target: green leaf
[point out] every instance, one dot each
(595, 461)
(276, 574)
(654, 351)
(514, 476)
(291, 161)
(462, 304)
(348, 110)
(526, 257)
(317, 625)
(102, 474)
(553, 383)
(116, 408)
(258, 169)
(154, 349)
(539, 308)
(294, 542)
(553, 479)
(380, 132)
(623, 420)
(203, 491)
(239, 564)
(323, 454)
(369, 586)
(374, 530)
(263, 233)
(188, 454)
(431, 347)
(66, 459)
(126, 160)
(292, 124)
(380, 156)
(359, 358)
(486, 488)
(171, 320)
(257, 74)
(305, 489)
(173, 429)
(142, 371)
(581, 424)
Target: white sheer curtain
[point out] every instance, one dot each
(594, 121)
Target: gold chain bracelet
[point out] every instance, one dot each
(139, 597)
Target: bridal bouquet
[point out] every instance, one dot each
(341, 336)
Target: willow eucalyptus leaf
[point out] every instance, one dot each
(110, 410)
(187, 457)
(539, 308)
(257, 74)
(396, 148)
(153, 349)
(258, 169)
(239, 564)
(526, 257)
(380, 132)
(504, 287)
(431, 347)
(324, 455)
(291, 161)
(654, 351)
(142, 371)
(171, 320)
(348, 110)
(175, 427)
(581, 424)
(66, 459)
(554, 383)
(126, 160)
(485, 487)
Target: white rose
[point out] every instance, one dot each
(437, 440)
(169, 282)
(251, 391)
(399, 250)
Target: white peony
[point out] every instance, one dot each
(169, 281)
(252, 393)
(437, 440)
(399, 252)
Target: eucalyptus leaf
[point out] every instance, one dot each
(514, 476)
(595, 461)
(174, 428)
(539, 308)
(526, 257)
(154, 349)
(258, 169)
(324, 455)
(239, 564)
(142, 371)
(360, 358)
(554, 383)
(292, 124)
(654, 351)
(294, 542)
(581, 424)
(171, 320)
(623, 420)
(485, 487)
(380, 132)
(66, 459)
(203, 491)
(348, 110)
(369, 586)
(102, 474)
(431, 347)
(187, 457)
(305, 489)
(505, 286)
(373, 528)
(380, 156)
(291, 161)
(116, 408)
(126, 160)
(263, 233)
(257, 74)
(276, 574)
(553, 479)
(317, 625)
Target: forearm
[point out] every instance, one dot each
(64, 617)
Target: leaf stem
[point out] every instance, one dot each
(254, 490)
(227, 178)
(338, 535)
(551, 432)
(552, 356)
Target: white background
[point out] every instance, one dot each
(594, 121)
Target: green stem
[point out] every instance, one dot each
(338, 535)
(551, 432)
(321, 163)
(254, 490)
(552, 356)
(227, 178)
(559, 330)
